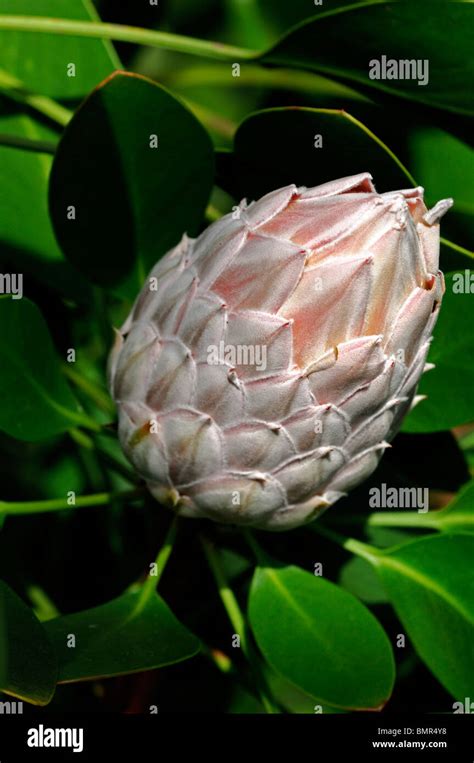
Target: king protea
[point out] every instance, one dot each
(267, 364)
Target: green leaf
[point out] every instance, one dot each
(452, 352)
(233, 564)
(26, 234)
(243, 703)
(35, 400)
(459, 514)
(343, 42)
(25, 175)
(27, 662)
(385, 537)
(359, 578)
(320, 638)
(444, 165)
(126, 635)
(245, 25)
(347, 148)
(431, 585)
(131, 201)
(41, 61)
(280, 15)
(293, 699)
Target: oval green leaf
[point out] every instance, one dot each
(43, 62)
(31, 244)
(28, 666)
(321, 638)
(431, 586)
(126, 635)
(319, 145)
(35, 400)
(132, 173)
(344, 42)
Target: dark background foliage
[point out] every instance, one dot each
(68, 561)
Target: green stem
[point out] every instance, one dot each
(122, 33)
(84, 441)
(226, 594)
(255, 76)
(97, 394)
(151, 582)
(236, 618)
(224, 665)
(403, 519)
(349, 544)
(94, 470)
(56, 504)
(82, 419)
(456, 247)
(44, 608)
(221, 661)
(260, 555)
(116, 465)
(15, 89)
(27, 144)
(100, 308)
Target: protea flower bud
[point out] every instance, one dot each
(267, 364)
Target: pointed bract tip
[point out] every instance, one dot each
(435, 214)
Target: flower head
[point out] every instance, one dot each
(267, 364)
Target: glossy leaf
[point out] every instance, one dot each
(431, 585)
(321, 638)
(132, 173)
(444, 165)
(26, 235)
(126, 635)
(343, 42)
(293, 699)
(359, 578)
(305, 146)
(42, 62)
(452, 352)
(280, 15)
(27, 662)
(35, 400)
(459, 514)
(24, 222)
(39, 61)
